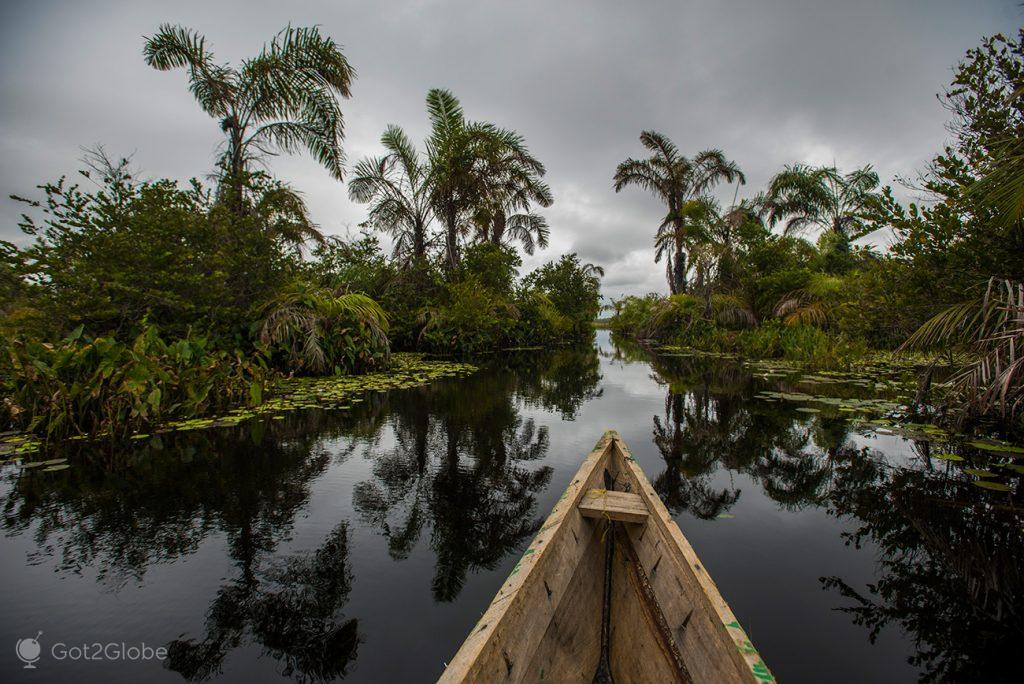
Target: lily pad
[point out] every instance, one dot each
(63, 466)
(989, 484)
(948, 457)
(979, 473)
(997, 446)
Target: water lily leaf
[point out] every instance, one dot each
(948, 457)
(989, 484)
(997, 446)
(53, 468)
(978, 472)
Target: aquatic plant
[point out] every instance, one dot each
(83, 385)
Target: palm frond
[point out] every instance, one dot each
(173, 47)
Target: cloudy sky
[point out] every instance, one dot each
(770, 83)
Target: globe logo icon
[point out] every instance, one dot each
(28, 651)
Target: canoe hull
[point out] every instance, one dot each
(590, 590)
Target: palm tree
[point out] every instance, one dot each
(686, 233)
(531, 230)
(285, 98)
(823, 198)
(512, 182)
(398, 186)
(675, 180)
(476, 171)
(1003, 183)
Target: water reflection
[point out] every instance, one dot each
(290, 607)
(951, 572)
(455, 478)
(463, 465)
(125, 513)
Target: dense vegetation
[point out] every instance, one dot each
(135, 301)
(950, 281)
(138, 302)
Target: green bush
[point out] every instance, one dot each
(540, 322)
(107, 258)
(573, 288)
(471, 320)
(313, 331)
(82, 385)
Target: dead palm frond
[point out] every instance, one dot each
(991, 331)
(731, 310)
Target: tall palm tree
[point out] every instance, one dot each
(675, 180)
(512, 182)
(398, 186)
(284, 99)
(822, 197)
(477, 170)
(451, 152)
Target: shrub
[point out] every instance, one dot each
(573, 288)
(107, 258)
(82, 385)
(314, 331)
(472, 319)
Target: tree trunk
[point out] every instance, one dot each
(419, 241)
(679, 274)
(451, 241)
(670, 275)
(498, 227)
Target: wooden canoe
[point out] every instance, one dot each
(609, 590)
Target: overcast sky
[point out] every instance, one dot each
(769, 83)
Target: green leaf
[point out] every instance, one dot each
(948, 457)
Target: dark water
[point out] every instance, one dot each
(365, 544)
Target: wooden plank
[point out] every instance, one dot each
(713, 645)
(612, 505)
(507, 638)
(571, 648)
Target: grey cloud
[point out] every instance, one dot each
(770, 83)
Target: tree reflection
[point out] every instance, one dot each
(560, 381)
(124, 513)
(702, 424)
(290, 607)
(950, 561)
(461, 469)
(951, 566)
